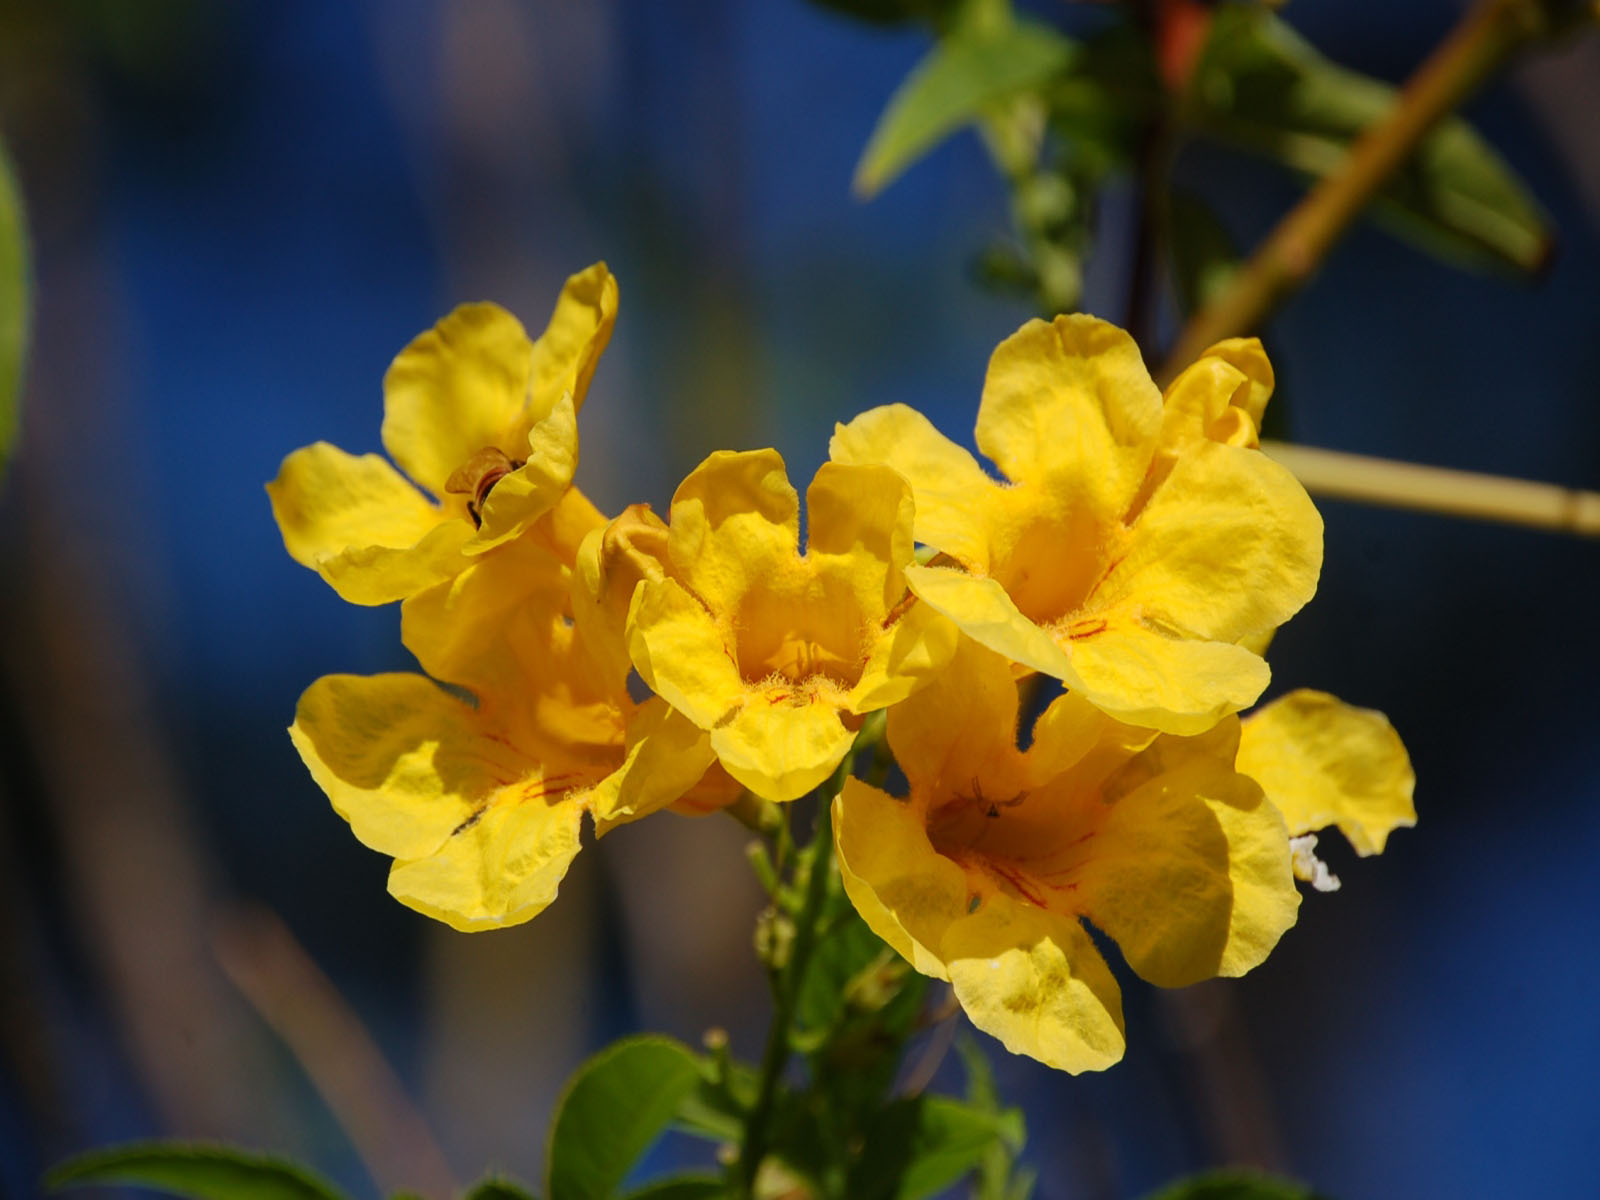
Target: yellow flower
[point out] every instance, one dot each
(480, 799)
(775, 653)
(1324, 762)
(481, 418)
(987, 872)
(1140, 538)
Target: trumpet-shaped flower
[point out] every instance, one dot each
(1324, 762)
(985, 874)
(775, 653)
(1140, 538)
(480, 800)
(483, 420)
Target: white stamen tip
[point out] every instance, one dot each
(1307, 866)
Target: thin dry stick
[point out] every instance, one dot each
(943, 1021)
(268, 965)
(1340, 476)
(1488, 34)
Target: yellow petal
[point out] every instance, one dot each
(904, 658)
(1070, 402)
(949, 485)
(1035, 981)
(611, 563)
(667, 755)
(1151, 676)
(782, 743)
(733, 519)
(565, 356)
(1247, 356)
(715, 791)
(456, 389)
(1230, 545)
(1221, 396)
(563, 528)
(1258, 643)
(1189, 871)
(986, 614)
(501, 870)
(533, 489)
(907, 893)
(1198, 407)
(1072, 734)
(378, 575)
(1265, 901)
(975, 695)
(327, 501)
(361, 526)
(494, 626)
(401, 760)
(1323, 762)
(680, 653)
(858, 521)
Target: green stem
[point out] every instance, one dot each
(818, 860)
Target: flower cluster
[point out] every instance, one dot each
(1140, 549)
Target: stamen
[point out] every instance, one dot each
(476, 478)
(1310, 868)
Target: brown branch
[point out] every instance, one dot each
(1340, 476)
(272, 970)
(1489, 33)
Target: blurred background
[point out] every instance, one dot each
(242, 211)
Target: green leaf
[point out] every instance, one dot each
(1102, 105)
(846, 954)
(1022, 1184)
(1233, 1185)
(717, 1108)
(921, 1145)
(857, 1006)
(998, 1177)
(685, 1187)
(981, 1092)
(188, 1169)
(13, 307)
(967, 73)
(612, 1110)
(498, 1187)
(1263, 88)
(1204, 258)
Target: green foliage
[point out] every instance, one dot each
(1233, 1185)
(917, 1146)
(685, 1187)
(851, 972)
(14, 305)
(716, 1108)
(617, 1104)
(1103, 103)
(202, 1171)
(497, 1187)
(1204, 258)
(998, 1177)
(964, 76)
(857, 1005)
(1263, 88)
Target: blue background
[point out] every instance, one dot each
(243, 211)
